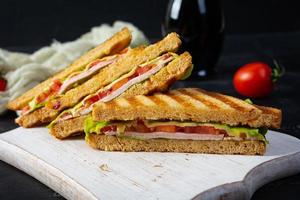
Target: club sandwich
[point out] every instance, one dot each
(184, 120)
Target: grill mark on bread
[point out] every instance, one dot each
(144, 100)
(225, 100)
(179, 100)
(135, 102)
(157, 100)
(193, 94)
(169, 100)
(110, 105)
(186, 100)
(122, 102)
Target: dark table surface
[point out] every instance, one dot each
(238, 50)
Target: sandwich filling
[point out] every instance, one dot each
(60, 86)
(148, 129)
(117, 87)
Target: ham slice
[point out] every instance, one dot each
(176, 135)
(85, 74)
(136, 80)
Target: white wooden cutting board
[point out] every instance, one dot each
(77, 171)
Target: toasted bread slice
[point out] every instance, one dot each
(157, 82)
(270, 117)
(132, 59)
(111, 46)
(67, 128)
(113, 143)
(188, 104)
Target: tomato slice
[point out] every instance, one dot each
(56, 85)
(119, 84)
(200, 129)
(42, 97)
(104, 93)
(166, 128)
(108, 129)
(142, 70)
(140, 127)
(91, 100)
(133, 76)
(25, 109)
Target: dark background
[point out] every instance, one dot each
(36, 22)
(255, 30)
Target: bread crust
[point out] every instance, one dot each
(115, 44)
(113, 143)
(158, 82)
(67, 128)
(134, 57)
(270, 117)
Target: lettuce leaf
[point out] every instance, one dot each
(256, 133)
(248, 101)
(91, 126)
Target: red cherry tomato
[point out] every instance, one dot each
(256, 79)
(2, 84)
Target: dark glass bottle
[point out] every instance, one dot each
(200, 23)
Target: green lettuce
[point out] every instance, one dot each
(91, 126)
(33, 105)
(257, 133)
(248, 101)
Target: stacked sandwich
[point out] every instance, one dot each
(118, 96)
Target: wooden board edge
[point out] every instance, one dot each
(255, 178)
(43, 171)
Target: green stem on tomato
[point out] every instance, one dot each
(277, 72)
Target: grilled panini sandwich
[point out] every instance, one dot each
(112, 46)
(154, 75)
(183, 120)
(122, 64)
(43, 102)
